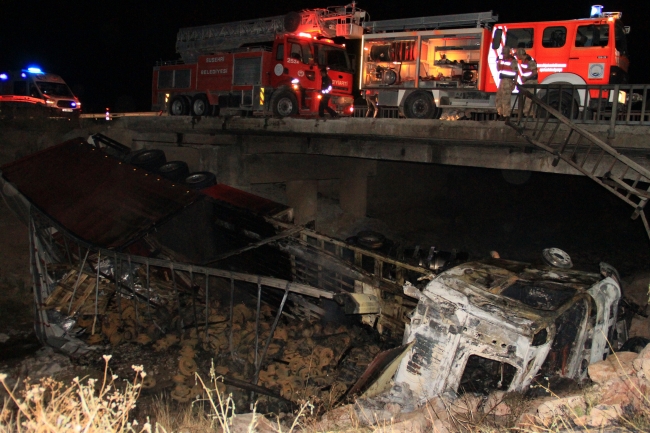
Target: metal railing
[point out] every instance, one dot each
(613, 104)
(549, 123)
(384, 112)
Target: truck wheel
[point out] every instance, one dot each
(149, 159)
(419, 105)
(564, 103)
(284, 103)
(179, 106)
(200, 180)
(200, 105)
(175, 171)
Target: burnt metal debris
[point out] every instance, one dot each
(284, 311)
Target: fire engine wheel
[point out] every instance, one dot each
(179, 106)
(565, 103)
(200, 180)
(149, 159)
(419, 105)
(175, 171)
(284, 103)
(200, 105)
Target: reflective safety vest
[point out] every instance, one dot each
(528, 69)
(326, 85)
(507, 67)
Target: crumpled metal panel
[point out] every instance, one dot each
(98, 198)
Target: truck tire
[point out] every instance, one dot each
(284, 103)
(563, 102)
(200, 180)
(200, 105)
(149, 159)
(179, 106)
(419, 105)
(175, 171)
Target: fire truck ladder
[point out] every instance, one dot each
(582, 150)
(192, 42)
(478, 19)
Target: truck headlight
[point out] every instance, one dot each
(49, 102)
(621, 97)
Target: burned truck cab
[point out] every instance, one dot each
(499, 324)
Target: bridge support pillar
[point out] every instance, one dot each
(353, 194)
(302, 196)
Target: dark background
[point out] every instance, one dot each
(105, 50)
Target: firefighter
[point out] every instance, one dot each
(326, 88)
(371, 100)
(528, 73)
(508, 69)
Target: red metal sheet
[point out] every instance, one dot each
(94, 196)
(244, 200)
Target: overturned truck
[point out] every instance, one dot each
(123, 255)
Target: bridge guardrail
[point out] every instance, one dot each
(613, 104)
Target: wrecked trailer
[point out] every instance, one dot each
(156, 257)
(122, 256)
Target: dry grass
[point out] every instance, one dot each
(50, 406)
(95, 406)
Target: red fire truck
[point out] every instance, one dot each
(269, 65)
(422, 72)
(32, 88)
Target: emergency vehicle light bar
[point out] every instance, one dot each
(596, 11)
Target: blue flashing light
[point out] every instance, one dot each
(34, 70)
(4, 77)
(23, 75)
(73, 104)
(596, 11)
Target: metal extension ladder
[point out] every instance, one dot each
(548, 129)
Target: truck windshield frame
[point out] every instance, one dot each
(50, 88)
(336, 58)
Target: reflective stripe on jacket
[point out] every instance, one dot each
(507, 67)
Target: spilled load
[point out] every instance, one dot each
(211, 277)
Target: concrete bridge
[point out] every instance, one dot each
(301, 152)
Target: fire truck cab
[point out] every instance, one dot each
(35, 88)
(422, 72)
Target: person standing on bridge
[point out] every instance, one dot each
(371, 100)
(508, 67)
(528, 74)
(326, 88)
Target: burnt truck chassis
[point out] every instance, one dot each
(531, 321)
(527, 320)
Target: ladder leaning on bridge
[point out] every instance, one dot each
(547, 128)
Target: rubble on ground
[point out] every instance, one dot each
(619, 390)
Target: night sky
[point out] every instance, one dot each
(105, 50)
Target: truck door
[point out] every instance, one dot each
(552, 57)
(299, 59)
(590, 54)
